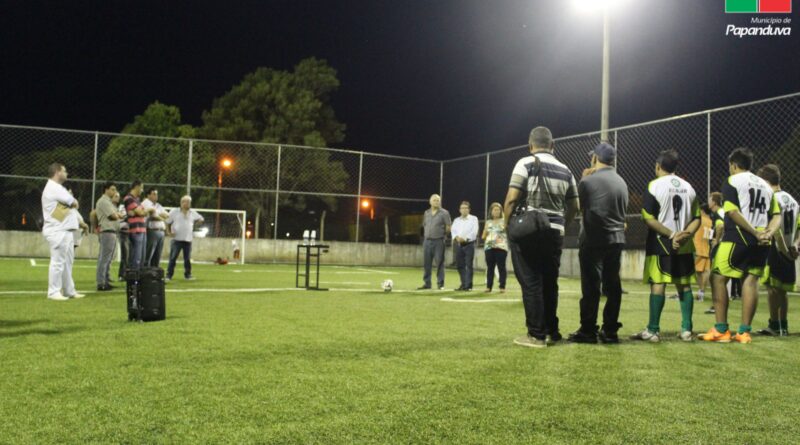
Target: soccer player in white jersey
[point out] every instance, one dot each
(672, 214)
(751, 218)
(780, 274)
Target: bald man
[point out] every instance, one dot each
(436, 223)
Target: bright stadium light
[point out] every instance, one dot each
(365, 203)
(603, 6)
(227, 163)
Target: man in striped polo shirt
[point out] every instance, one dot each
(536, 265)
(137, 230)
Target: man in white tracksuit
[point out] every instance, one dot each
(59, 222)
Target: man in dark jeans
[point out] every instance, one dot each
(604, 200)
(180, 225)
(549, 186)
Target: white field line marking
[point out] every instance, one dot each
(363, 270)
(490, 300)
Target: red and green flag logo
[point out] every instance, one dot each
(759, 6)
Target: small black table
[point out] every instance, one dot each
(311, 251)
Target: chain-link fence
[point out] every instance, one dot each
(365, 197)
(770, 127)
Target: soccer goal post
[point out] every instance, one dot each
(224, 224)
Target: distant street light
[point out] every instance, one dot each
(225, 164)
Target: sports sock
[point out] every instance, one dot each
(721, 327)
(785, 325)
(687, 305)
(744, 328)
(775, 325)
(656, 306)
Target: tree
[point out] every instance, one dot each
(156, 160)
(281, 107)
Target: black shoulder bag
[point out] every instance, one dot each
(525, 225)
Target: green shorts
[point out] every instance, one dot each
(734, 260)
(669, 269)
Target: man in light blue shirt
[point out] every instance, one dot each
(465, 232)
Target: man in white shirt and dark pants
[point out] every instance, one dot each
(465, 232)
(59, 221)
(181, 222)
(155, 228)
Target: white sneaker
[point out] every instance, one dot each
(57, 297)
(686, 336)
(646, 336)
(77, 295)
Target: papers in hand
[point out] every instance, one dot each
(60, 212)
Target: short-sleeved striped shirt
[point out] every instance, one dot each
(558, 186)
(135, 223)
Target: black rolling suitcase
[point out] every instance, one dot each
(145, 294)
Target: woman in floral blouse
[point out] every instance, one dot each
(495, 246)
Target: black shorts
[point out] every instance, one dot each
(780, 272)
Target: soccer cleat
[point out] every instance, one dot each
(714, 335)
(582, 337)
(769, 332)
(744, 338)
(699, 297)
(530, 342)
(711, 310)
(57, 297)
(77, 295)
(646, 335)
(608, 338)
(686, 336)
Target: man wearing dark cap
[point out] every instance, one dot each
(541, 182)
(604, 199)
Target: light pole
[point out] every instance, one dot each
(224, 164)
(604, 100)
(604, 5)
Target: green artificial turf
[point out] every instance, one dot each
(243, 358)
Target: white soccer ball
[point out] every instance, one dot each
(387, 285)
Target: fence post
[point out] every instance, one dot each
(616, 145)
(708, 154)
(486, 194)
(189, 169)
(94, 182)
(358, 202)
(277, 194)
(94, 167)
(441, 177)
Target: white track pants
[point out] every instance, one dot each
(62, 255)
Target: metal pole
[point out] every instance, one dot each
(708, 154)
(94, 182)
(277, 191)
(441, 177)
(189, 169)
(616, 145)
(358, 203)
(94, 168)
(604, 105)
(486, 194)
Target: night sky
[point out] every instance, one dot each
(437, 79)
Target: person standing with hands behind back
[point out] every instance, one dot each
(495, 246)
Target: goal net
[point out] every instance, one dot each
(225, 230)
